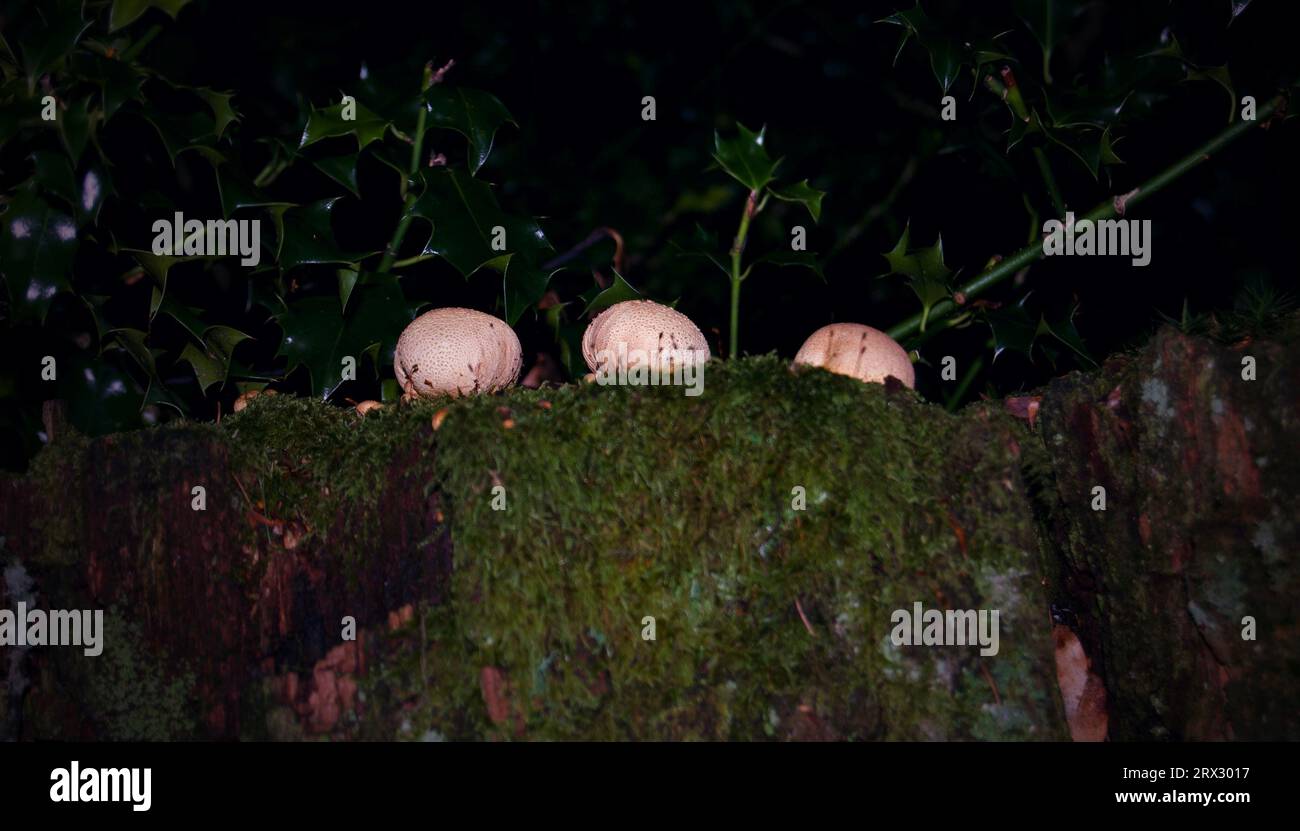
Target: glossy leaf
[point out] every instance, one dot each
(1013, 328)
(118, 81)
(617, 292)
(133, 342)
(1194, 71)
(44, 35)
(1020, 330)
(342, 169)
(309, 239)
(318, 335)
(946, 54)
(1047, 21)
(473, 113)
(803, 193)
(236, 190)
(182, 131)
(470, 231)
(125, 12)
(924, 267)
(329, 123)
(212, 363)
(37, 245)
(75, 128)
(745, 158)
(222, 112)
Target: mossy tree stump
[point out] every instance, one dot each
(502, 568)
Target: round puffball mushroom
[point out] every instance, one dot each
(456, 352)
(860, 351)
(637, 332)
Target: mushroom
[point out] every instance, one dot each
(368, 406)
(630, 332)
(860, 351)
(455, 352)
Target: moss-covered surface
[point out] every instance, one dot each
(620, 504)
(624, 503)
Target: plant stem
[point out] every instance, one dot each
(1106, 210)
(737, 249)
(136, 48)
(417, 147)
(967, 378)
(1009, 92)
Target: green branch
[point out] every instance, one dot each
(399, 234)
(1106, 210)
(737, 249)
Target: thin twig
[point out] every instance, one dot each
(1106, 210)
(804, 618)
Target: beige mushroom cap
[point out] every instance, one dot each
(634, 331)
(456, 351)
(857, 350)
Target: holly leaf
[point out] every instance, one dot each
(329, 123)
(118, 81)
(926, 272)
(471, 231)
(125, 12)
(1019, 330)
(802, 259)
(1047, 21)
(1064, 332)
(132, 341)
(1013, 328)
(1193, 71)
(946, 55)
(186, 316)
(318, 335)
(1090, 146)
(37, 245)
(342, 169)
(179, 132)
(803, 193)
(308, 239)
(212, 363)
(219, 102)
(617, 292)
(236, 190)
(75, 127)
(45, 35)
(473, 113)
(745, 158)
(701, 244)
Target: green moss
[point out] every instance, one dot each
(60, 530)
(321, 465)
(128, 693)
(624, 503)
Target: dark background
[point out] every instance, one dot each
(822, 77)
